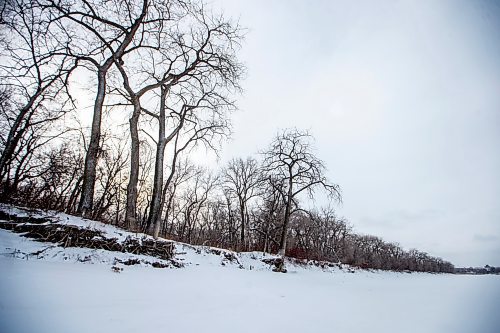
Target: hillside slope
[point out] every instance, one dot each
(183, 254)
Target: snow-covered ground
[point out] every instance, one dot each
(59, 292)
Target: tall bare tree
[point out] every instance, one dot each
(192, 61)
(193, 128)
(290, 161)
(34, 73)
(107, 28)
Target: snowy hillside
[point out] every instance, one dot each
(48, 288)
(12, 245)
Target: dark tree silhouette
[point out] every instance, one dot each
(290, 161)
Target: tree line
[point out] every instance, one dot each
(163, 75)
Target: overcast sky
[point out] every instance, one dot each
(403, 98)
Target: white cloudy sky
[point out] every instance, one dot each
(403, 98)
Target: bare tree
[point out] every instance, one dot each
(112, 163)
(196, 198)
(192, 61)
(33, 75)
(291, 162)
(108, 28)
(181, 172)
(193, 129)
(241, 179)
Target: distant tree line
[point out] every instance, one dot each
(163, 74)
(487, 269)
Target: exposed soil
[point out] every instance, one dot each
(47, 230)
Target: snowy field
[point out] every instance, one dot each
(57, 293)
(40, 296)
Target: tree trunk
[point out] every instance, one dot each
(242, 216)
(73, 197)
(281, 267)
(16, 132)
(89, 173)
(284, 233)
(155, 211)
(131, 209)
